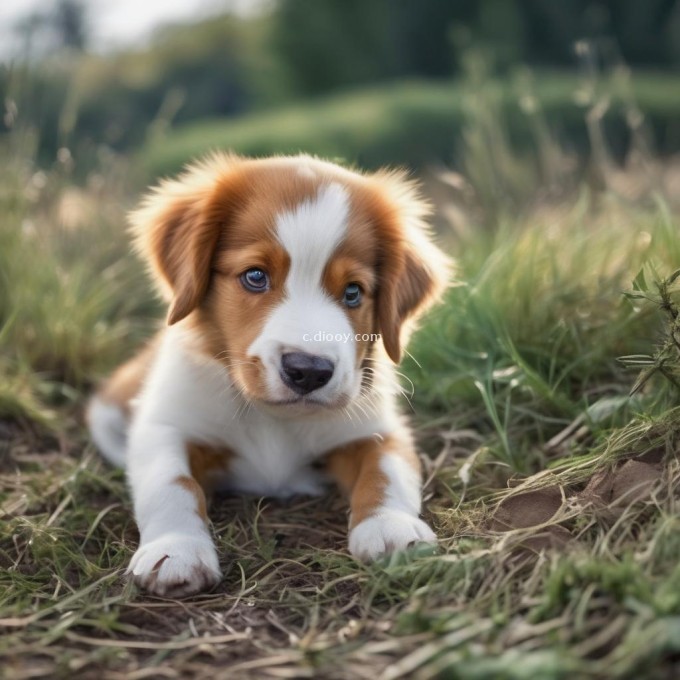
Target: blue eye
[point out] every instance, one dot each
(352, 296)
(255, 280)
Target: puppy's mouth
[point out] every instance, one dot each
(307, 403)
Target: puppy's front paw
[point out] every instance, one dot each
(386, 532)
(176, 565)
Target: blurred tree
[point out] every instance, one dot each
(70, 24)
(642, 33)
(421, 34)
(328, 44)
(60, 26)
(219, 67)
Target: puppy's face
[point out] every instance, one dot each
(290, 270)
(293, 294)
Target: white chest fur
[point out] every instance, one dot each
(273, 452)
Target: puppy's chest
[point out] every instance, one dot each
(274, 461)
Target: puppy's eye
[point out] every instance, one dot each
(255, 280)
(352, 296)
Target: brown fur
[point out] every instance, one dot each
(356, 468)
(126, 381)
(412, 272)
(194, 488)
(207, 463)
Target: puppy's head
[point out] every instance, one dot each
(291, 271)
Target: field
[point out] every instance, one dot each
(545, 395)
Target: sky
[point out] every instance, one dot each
(118, 23)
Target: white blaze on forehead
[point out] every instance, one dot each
(310, 233)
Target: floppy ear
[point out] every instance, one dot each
(413, 272)
(176, 231)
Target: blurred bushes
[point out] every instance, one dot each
(407, 122)
(420, 122)
(232, 67)
(217, 67)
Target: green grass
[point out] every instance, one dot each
(71, 300)
(537, 321)
(553, 491)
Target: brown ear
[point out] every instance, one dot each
(413, 272)
(176, 231)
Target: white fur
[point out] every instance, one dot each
(108, 425)
(196, 401)
(176, 564)
(312, 231)
(386, 532)
(403, 487)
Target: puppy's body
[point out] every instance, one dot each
(269, 380)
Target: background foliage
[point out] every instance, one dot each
(228, 67)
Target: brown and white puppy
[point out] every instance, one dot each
(288, 279)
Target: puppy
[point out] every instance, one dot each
(292, 283)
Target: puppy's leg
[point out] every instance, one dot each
(382, 479)
(109, 410)
(176, 555)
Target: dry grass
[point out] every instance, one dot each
(293, 604)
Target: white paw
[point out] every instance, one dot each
(176, 565)
(386, 532)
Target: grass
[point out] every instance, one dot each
(554, 491)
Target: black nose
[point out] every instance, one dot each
(304, 373)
